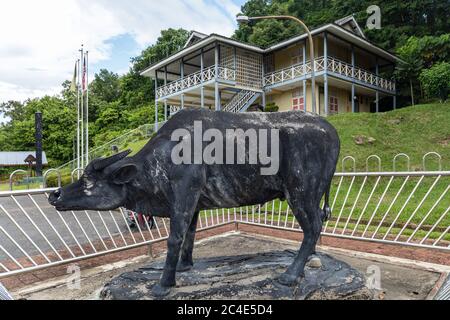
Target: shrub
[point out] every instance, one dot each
(52, 180)
(271, 107)
(436, 81)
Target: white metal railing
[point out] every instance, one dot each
(239, 101)
(408, 208)
(346, 69)
(196, 79)
(33, 235)
(291, 73)
(174, 110)
(333, 65)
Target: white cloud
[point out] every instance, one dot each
(39, 40)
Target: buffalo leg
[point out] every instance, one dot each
(186, 263)
(178, 228)
(186, 186)
(311, 225)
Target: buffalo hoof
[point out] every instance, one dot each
(288, 280)
(160, 291)
(184, 267)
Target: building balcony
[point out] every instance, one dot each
(332, 67)
(195, 80)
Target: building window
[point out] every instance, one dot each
(297, 60)
(297, 57)
(298, 101)
(334, 105)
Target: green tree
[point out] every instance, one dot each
(58, 128)
(137, 90)
(419, 54)
(12, 109)
(105, 86)
(400, 20)
(436, 81)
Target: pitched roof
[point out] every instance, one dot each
(337, 28)
(354, 25)
(194, 37)
(17, 158)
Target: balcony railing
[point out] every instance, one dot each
(333, 65)
(195, 79)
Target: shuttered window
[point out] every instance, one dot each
(334, 105)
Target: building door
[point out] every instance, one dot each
(356, 99)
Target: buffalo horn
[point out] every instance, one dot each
(103, 163)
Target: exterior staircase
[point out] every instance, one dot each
(242, 101)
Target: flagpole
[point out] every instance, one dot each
(78, 118)
(82, 110)
(87, 107)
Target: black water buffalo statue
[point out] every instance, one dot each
(152, 182)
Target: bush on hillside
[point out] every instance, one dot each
(436, 81)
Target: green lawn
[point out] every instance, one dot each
(136, 146)
(414, 131)
(5, 187)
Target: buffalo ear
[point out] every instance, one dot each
(124, 174)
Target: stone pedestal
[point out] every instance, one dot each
(245, 277)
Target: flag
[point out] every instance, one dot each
(73, 85)
(84, 75)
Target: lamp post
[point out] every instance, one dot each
(245, 19)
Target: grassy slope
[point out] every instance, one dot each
(414, 131)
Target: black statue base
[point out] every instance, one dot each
(245, 277)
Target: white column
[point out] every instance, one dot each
(304, 81)
(263, 72)
(377, 103)
(202, 88)
(165, 100)
(156, 101)
(395, 93)
(216, 83)
(353, 84)
(182, 76)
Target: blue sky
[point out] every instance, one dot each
(39, 50)
(124, 47)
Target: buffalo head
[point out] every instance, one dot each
(103, 186)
